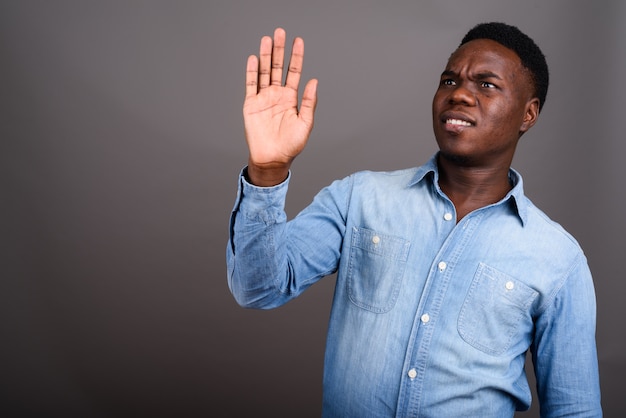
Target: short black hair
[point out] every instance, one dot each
(531, 56)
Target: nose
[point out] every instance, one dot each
(462, 95)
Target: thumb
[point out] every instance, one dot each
(309, 102)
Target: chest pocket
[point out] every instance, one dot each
(376, 266)
(494, 307)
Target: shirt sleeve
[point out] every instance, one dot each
(564, 349)
(271, 261)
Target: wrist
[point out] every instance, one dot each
(266, 175)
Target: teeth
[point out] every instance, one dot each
(458, 122)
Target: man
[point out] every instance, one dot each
(446, 273)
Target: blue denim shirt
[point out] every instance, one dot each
(430, 317)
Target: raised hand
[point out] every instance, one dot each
(276, 129)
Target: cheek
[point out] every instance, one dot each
(435, 102)
(440, 97)
(506, 117)
(435, 106)
(438, 103)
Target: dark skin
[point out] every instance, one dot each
(276, 129)
(485, 102)
(483, 105)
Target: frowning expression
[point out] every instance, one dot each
(484, 103)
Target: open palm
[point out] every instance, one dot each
(276, 129)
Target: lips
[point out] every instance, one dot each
(456, 122)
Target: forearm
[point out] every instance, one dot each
(257, 267)
(564, 351)
(271, 261)
(253, 260)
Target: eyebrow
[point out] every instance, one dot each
(478, 76)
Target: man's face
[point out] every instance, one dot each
(483, 104)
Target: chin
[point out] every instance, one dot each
(459, 159)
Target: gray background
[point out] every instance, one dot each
(121, 141)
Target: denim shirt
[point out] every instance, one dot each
(430, 317)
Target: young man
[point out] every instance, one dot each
(446, 273)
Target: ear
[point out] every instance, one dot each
(531, 114)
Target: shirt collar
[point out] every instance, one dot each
(518, 202)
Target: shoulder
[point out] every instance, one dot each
(394, 179)
(549, 230)
(367, 182)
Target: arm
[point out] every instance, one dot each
(276, 130)
(564, 350)
(270, 261)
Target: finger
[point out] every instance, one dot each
(309, 102)
(252, 76)
(278, 57)
(295, 64)
(265, 62)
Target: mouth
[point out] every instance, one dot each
(458, 122)
(455, 123)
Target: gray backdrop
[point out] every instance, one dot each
(121, 141)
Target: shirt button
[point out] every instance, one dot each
(425, 318)
(442, 265)
(412, 373)
(375, 239)
(447, 216)
(509, 285)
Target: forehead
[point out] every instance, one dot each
(486, 55)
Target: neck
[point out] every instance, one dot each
(472, 187)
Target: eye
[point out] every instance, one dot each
(448, 82)
(487, 85)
